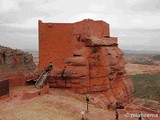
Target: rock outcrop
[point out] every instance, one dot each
(94, 64)
(15, 65)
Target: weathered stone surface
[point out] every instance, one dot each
(30, 94)
(94, 41)
(82, 51)
(15, 65)
(99, 81)
(86, 60)
(13, 60)
(90, 28)
(35, 92)
(76, 61)
(44, 90)
(76, 72)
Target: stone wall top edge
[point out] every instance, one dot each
(40, 21)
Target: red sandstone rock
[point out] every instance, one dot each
(30, 94)
(76, 61)
(82, 51)
(15, 65)
(76, 71)
(35, 92)
(93, 41)
(15, 79)
(86, 60)
(13, 60)
(90, 28)
(44, 90)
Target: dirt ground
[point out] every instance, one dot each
(133, 69)
(59, 104)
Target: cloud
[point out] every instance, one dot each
(97, 8)
(80, 17)
(65, 5)
(151, 6)
(133, 21)
(138, 39)
(115, 12)
(26, 16)
(142, 7)
(18, 38)
(7, 5)
(29, 24)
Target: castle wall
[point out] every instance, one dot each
(55, 43)
(57, 40)
(90, 28)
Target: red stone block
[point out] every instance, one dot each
(31, 94)
(35, 92)
(44, 90)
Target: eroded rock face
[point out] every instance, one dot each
(95, 66)
(15, 65)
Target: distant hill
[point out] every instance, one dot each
(30, 50)
(140, 52)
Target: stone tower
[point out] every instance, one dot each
(86, 60)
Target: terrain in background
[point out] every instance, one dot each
(144, 69)
(60, 104)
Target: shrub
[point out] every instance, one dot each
(156, 57)
(144, 62)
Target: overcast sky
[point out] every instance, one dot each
(135, 22)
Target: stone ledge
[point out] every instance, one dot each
(36, 92)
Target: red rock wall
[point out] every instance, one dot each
(92, 28)
(94, 63)
(57, 40)
(15, 79)
(55, 43)
(15, 65)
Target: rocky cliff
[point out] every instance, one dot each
(97, 65)
(15, 65)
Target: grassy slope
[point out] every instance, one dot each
(147, 86)
(147, 90)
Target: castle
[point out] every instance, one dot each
(86, 60)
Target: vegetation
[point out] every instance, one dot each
(156, 57)
(147, 86)
(146, 62)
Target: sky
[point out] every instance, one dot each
(136, 23)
